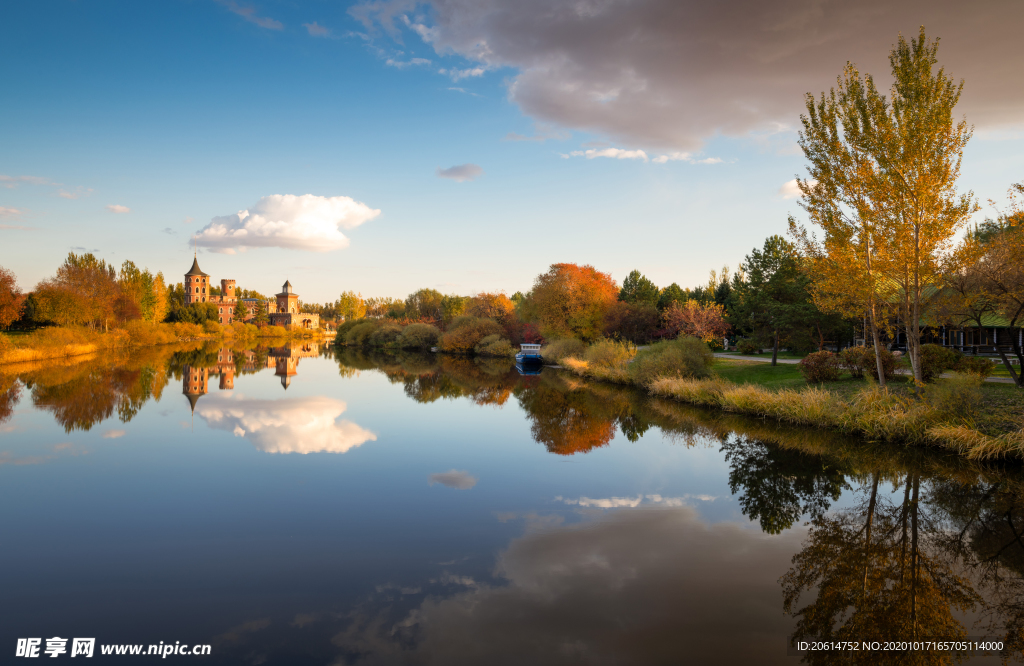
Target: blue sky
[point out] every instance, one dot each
(182, 112)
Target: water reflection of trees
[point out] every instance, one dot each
(931, 544)
(83, 391)
(80, 395)
(10, 393)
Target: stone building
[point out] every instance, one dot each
(287, 311)
(198, 287)
(282, 310)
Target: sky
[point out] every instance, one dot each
(384, 146)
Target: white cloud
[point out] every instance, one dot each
(614, 153)
(10, 212)
(75, 193)
(685, 157)
(11, 182)
(113, 434)
(402, 64)
(291, 425)
(790, 190)
(116, 208)
(461, 173)
(633, 502)
(460, 480)
(669, 75)
(459, 74)
(316, 30)
(249, 14)
(306, 222)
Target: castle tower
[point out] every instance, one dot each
(196, 284)
(194, 384)
(287, 300)
(227, 290)
(287, 368)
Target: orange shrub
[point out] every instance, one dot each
(466, 333)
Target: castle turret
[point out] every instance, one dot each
(287, 300)
(227, 290)
(196, 284)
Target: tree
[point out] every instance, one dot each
(241, 311)
(350, 305)
(636, 322)
(882, 187)
(424, 304)
(136, 299)
(259, 316)
(495, 306)
(704, 321)
(12, 301)
(160, 299)
(671, 294)
(999, 276)
(196, 313)
(637, 289)
(85, 290)
(453, 306)
(176, 297)
(774, 299)
(571, 300)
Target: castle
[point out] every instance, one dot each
(282, 310)
(284, 360)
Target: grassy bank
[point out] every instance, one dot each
(961, 414)
(57, 342)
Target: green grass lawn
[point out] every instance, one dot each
(784, 375)
(1002, 407)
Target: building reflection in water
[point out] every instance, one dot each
(284, 360)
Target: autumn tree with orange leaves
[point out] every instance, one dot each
(571, 300)
(12, 302)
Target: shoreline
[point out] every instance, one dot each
(873, 413)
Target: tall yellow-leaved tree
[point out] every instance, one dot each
(882, 187)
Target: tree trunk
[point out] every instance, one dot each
(867, 536)
(775, 349)
(874, 318)
(914, 330)
(914, 560)
(1018, 377)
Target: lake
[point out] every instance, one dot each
(305, 505)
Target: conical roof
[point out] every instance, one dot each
(195, 270)
(193, 398)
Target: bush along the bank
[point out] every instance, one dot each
(419, 336)
(935, 360)
(683, 357)
(942, 416)
(465, 333)
(861, 360)
(495, 345)
(556, 351)
(606, 360)
(822, 366)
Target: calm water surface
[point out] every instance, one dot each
(296, 505)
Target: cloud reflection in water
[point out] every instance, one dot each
(644, 586)
(290, 425)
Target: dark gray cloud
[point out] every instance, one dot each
(460, 480)
(635, 586)
(669, 74)
(461, 172)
